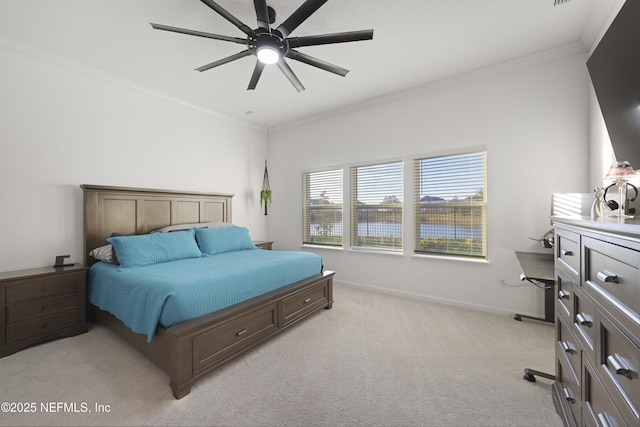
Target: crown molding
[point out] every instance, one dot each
(449, 82)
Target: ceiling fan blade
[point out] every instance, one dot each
(299, 56)
(288, 72)
(257, 72)
(262, 13)
(224, 60)
(198, 33)
(350, 36)
(299, 16)
(229, 17)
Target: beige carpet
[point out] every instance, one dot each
(373, 360)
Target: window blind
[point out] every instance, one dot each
(376, 206)
(450, 205)
(322, 207)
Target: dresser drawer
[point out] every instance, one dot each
(598, 409)
(613, 275)
(568, 346)
(42, 325)
(40, 307)
(569, 391)
(619, 368)
(38, 288)
(564, 294)
(568, 251)
(584, 321)
(217, 344)
(297, 305)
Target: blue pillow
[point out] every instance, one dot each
(145, 249)
(218, 240)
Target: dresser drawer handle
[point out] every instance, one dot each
(240, 333)
(567, 348)
(567, 253)
(584, 319)
(44, 325)
(564, 294)
(45, 289)
(607, 276)
(568, 395)
(605, 420)
(619, 366)
(45, 306)
(307, 301)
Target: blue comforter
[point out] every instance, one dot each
(172, 292)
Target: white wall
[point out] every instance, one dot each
(62, 126)
(533, 119)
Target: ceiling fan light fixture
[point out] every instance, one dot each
(268, 55)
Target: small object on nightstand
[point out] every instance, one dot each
(60, 261)
(262, 244)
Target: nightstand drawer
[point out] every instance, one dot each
(42, 325)
(303, 302)
(40, 307)
(38, 288)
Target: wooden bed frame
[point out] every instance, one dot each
(191, 349)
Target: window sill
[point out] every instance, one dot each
(327, 247)
(451, 258)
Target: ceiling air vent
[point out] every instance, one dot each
(559, 2)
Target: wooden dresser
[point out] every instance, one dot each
(597, 267)
(41, 304)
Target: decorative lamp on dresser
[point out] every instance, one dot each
(597, 265)
(41, 304)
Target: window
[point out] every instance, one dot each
(451, 205)
(322, 207)
(376, 206)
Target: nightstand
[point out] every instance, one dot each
(41, 304)
(263, 244)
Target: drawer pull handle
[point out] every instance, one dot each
(605, 420)
(564, 294)
(568, 395)
(584, 319)
(44, 325)
(307, 301)
(240, 333)
(44, 289)
(567, 347)
(45, 306)
(619, 366)
(607, 276)
(567, 253)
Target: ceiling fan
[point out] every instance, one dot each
(272, 46)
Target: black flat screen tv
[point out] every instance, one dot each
(614, 67)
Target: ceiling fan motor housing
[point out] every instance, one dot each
(264, 39)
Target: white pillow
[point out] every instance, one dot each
(103, 253)
(182, 227)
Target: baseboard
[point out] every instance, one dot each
(412, 295)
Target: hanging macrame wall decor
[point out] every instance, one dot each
(265, 194)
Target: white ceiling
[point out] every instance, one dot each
(415, 42)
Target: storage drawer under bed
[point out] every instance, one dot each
(217, 344)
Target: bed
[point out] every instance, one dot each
(189, 349)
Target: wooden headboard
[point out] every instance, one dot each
(140, 210)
